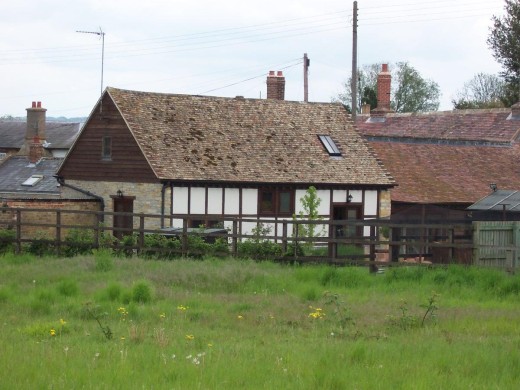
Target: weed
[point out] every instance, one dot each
(431, 307)
(68, 288)
(105, 329)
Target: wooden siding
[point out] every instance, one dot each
(496, 244)
(85, 162)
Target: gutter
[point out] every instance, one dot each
(61, 182)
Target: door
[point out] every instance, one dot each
(346, 212)
(123, 223)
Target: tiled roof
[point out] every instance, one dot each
(482, 126)
(433, 173)
(186, 137)
(17, 169)
(60, 135)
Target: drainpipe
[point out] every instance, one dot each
(61, 182)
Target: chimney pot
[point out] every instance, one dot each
(271, 73)
(33, 104)
(279, 73)
(385, 68)
(39, 104)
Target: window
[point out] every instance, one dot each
(32, 180)
(275, 201)
(106, 148)
(330, 145)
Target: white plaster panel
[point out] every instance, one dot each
(214, 200)
(324, 208)
(232, 200)
(198, 200)
(357, 196)
(298, 194)
(249, 201)
(370, 203)
(339, 196)
(180, 200)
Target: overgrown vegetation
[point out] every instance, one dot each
(215, 323)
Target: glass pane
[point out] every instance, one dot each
(285, 202)
(266, 201)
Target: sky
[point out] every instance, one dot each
(227, 47)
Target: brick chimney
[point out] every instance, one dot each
(35, 127)
(384, 85)
(276, 85)
(36, 151)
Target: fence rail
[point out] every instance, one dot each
(370, 241)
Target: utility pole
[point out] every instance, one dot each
(306, 64)
(353, 86)
(102, 35)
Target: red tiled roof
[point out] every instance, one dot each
(436, 173)
(489, 125)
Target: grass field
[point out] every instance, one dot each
(99, 322)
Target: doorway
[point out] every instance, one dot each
(123, 224)
(346, 212)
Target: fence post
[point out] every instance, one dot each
(184, 236)
(295, 242)
(97, 230)
(58, 230)
(234, 239)
(284, 237)
(140, 243)
(18, 231)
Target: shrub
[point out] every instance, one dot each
(78, 242)
(41, 245)
(7, 237)
(259, 247)
(142, 292)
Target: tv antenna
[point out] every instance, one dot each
(102, 35)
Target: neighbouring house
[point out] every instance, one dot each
(27, 181)
(499, 205)
(443, 161)
(214, 157)
(56, 137)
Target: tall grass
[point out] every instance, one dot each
(228, 324)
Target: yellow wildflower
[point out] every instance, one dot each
(53, 332)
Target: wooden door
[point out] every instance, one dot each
(123, 223)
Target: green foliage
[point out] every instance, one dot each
(504, 43)
(103, 260)
(7, 237)
(68, 288)
(259, 247)
(97, 315)
(482, 91)
(410, 91)
(113, 291)
(41, 245)
(78, 242)
(310, 205)
(157, 246)
(142, 292)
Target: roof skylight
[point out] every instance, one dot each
(32, 180)
(330, 145)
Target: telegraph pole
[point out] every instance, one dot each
(306, 64)
(102, 35)
(353, 86)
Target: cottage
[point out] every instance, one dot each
(210, 157)
(27, 178)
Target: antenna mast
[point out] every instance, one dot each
(102, 35)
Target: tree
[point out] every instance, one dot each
(411, 92)
(482, 91)
(504, 41)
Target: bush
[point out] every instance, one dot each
(41, 245)
(142, 292)
(7, 237)
(78, 242)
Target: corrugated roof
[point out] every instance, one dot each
(498, 201)
(187, 137)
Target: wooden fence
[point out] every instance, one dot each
(370, 241)
(497, 244)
